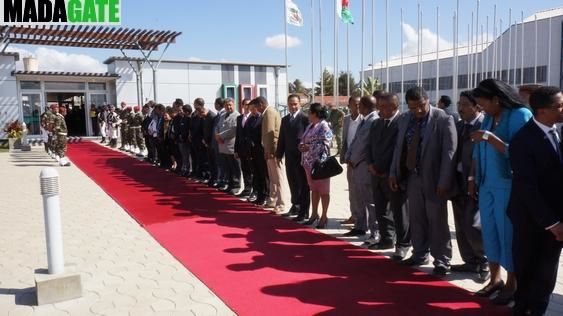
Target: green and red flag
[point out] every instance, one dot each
(343, 11)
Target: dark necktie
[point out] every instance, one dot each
(412, 152)
(464, 137)
(387, 122)
(557, 143)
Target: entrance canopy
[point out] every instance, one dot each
(87, 36)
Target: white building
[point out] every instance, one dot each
(25, 93)
(507, 57)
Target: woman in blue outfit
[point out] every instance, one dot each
(492, 178)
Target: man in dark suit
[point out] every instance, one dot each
(423, 163)
(258, 163)
(465, 207)
(291, 130)
(242, 149)
(196, 141)
(536, 202)
(390, 206)
(208, 119)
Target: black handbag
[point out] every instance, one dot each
(326, 169)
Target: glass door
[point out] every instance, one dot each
(31, 108)
(96, 100)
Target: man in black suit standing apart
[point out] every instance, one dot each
(536, 202)
(242, 148)
(469, 239)
(291, 130)
(390, 206)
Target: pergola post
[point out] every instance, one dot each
(154, 67)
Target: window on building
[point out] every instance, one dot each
(529, 75)
(446, 83)
(504, 76)
(228, 74)
(542, 74)
(263, 92)
(54, 85)
(244, 74)
(518, 76)
(462, 82)
(429, 84)
(247, 92)
(260, 74)
(96, 86)
(30, 85)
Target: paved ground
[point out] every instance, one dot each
(125, 272)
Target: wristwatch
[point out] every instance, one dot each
(486, 135)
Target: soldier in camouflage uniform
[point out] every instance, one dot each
(124, 128)
(46, 120)
(336, 121)
(113, 123)
(137, 139)
(59, 135)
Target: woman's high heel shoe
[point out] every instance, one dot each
(322, 223)
(311, 221)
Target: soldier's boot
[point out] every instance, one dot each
(63, 162)
(127, 147)
(103, 140)
(113, 143)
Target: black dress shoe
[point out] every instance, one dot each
(466, 267)
(400, 253)
(503, 299)
(259, 202)
(214, 184)
(300, 218)
(383, 245)
(243, 194)
(413, 262)
(252, 198)
(440, 270)
(484, 273)
(355, 232)
(224, 188)
(489, 289)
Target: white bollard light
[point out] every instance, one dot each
(49, 179)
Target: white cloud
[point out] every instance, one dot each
(53, 60)
(429, 40)
(278, 41)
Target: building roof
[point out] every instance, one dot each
(65, 73)
(187, 61)
(90, 36)
(546, 14)
(14, 54)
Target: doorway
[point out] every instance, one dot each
(76, 110)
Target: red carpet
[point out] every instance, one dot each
(261, 264)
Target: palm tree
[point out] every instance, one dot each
(370, 85)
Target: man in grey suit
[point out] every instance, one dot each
(351, 123)
(423, 162)
(356, 158)
(225, 137)
(469, 240)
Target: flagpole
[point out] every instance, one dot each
(470, 53)
(285, 41)
(437, 53)
(373, 39)
(475, 59)
(494, 63)
(312, 51)
(515, 51)
(454, 59)
(387, 45)
(348, 60)
(522, 65)
(321, 50)
(487, 44)
(468, 56)
(335, 80)
(549, 54)
(536, 50)
(509, 43)
(402, 55)
(420, 44)
(418, 47)
(500, 61)
(362, 44)
(482, 55)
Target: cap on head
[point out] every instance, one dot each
(136, 108)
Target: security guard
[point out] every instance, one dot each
(137, 140)
(113, 125)
(59, 135)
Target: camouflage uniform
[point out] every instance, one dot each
(46, 122)
(59, 135)
(137, 139)
(113, 122)
(124, 129)
(336, 121)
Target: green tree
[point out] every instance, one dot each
(328, 83)
(297, 87)
(370, 85)
(342, 84)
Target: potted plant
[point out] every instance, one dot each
(14, 130)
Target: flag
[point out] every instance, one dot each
(343, 11)
(293, 15)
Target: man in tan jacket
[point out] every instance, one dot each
(271, 121)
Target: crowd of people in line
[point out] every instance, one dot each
(498, 159)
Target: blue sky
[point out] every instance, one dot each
(237, 30)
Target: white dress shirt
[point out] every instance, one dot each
(352, 128)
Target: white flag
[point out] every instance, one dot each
(293, 15)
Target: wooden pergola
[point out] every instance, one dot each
(92, 36)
